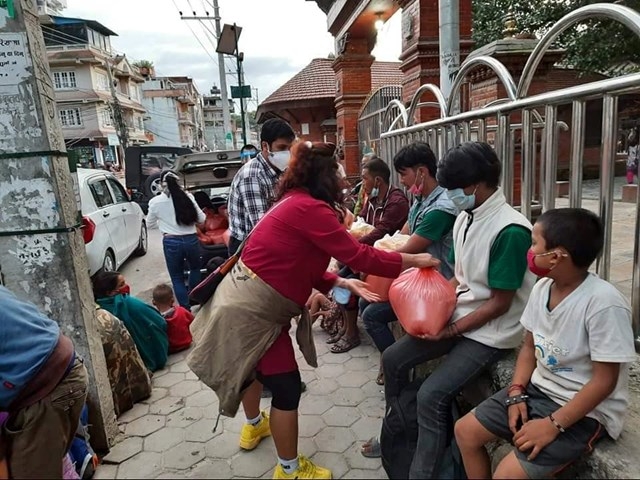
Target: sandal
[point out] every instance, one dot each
(336, 338)
(380, 378)
(345, 344)
(371, 448)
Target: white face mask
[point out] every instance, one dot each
(280, 159)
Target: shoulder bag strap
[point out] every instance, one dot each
(268, 212)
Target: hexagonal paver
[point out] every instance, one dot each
(358, 364)
(203, 398)
(222, 446)
(341, 416)
(168, 380)
(352, 379)
(331, 371)
(185, 417)
(322, 386)
(163, 439)
(143, 465)
(337, 358)
(124, 450)
(355, 459)
(310, 425)
(372, 389)
(315, 405)
(262, 460)
(202, 431)
(137, 411)
(333, 461)
(363, 350)
(105, 472)
(211, 469)
(367, 427)
(180, 367)
(347, 397)
(190, 376)
(185, 388)
(143, 426)
(232, 425)
(184, 455)
(161, 372)
(156, 394)
(166, 405)
(374, 474)
(177, 357)
(334, 439)
(372, 407)
(307, 447)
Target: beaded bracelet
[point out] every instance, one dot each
(556, 424)
(517, 399)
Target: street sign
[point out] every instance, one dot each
(241, 92)
(113, 139)
(8, 6)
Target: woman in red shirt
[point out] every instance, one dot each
(283, 260)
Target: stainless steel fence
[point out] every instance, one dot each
(372, 112)
(538, 125)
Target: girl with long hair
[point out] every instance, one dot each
(241, 335)
(177, 215)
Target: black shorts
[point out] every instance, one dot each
(564, 450)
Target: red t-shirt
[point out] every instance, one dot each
(178, 321)
(290, 250)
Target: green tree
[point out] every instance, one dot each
(593, 46)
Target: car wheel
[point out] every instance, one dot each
(143, 243)
(152, 185)
(109, 262)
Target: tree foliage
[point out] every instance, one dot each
(593, 46)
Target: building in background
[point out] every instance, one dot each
(214, 136)
(51, 7)
(97, 92)
(174, 112)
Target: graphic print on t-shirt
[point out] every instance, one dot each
(550, 354)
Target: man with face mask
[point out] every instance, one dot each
(493, 283)
(253, 187)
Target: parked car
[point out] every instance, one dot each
(143, 165)
(114, 227)
(211, 172)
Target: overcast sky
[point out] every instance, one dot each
(279, 37)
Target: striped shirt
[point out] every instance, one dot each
(252, 193)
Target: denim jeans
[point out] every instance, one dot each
(180, 252)
(465, 360)
(376, 318)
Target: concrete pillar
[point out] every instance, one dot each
(42, 253)
(353, 85)
(421, 47)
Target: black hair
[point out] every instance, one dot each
(203, 200)
(274, 128)
(416, 154)
(104, 283)
(578, 231)
(467, 164)
(378, 168)
(162, 294)
(248, 146)
(186, 212)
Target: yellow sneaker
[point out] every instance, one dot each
(306, 469)
(252, 434)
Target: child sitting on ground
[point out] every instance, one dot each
(178, 318)
(570, 384)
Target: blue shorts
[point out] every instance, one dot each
(559, 454)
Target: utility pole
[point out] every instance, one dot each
(226, 115)
(42, 252)
(449, 17)
(116, 112)
(239, 60)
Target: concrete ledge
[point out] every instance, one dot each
(562, 188)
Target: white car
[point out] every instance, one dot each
(114, 227)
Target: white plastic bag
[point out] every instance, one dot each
(360, 228)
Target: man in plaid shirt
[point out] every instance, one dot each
(253, 187)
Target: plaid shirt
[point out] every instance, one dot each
(252, 193)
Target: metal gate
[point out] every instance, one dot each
(539, 123)
(371, 116)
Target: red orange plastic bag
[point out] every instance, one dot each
(423, 301)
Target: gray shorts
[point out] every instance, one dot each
(564, 450)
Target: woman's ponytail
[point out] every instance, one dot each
(186, 213)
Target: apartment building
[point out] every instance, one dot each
(91, 83)
(175, 112)
(214, 134)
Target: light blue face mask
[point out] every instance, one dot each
(461, 200)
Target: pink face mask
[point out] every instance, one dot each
(536, 270)
(416, 188)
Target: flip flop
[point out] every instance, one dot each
(380, 378)
(371, 448)
(345, 344)
(335, 338)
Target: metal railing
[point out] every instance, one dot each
(538, 123)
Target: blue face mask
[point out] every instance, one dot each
(461, 200)
(375, 191)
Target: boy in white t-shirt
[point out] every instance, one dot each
(570, 384)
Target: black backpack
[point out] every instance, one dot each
(399, 437)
